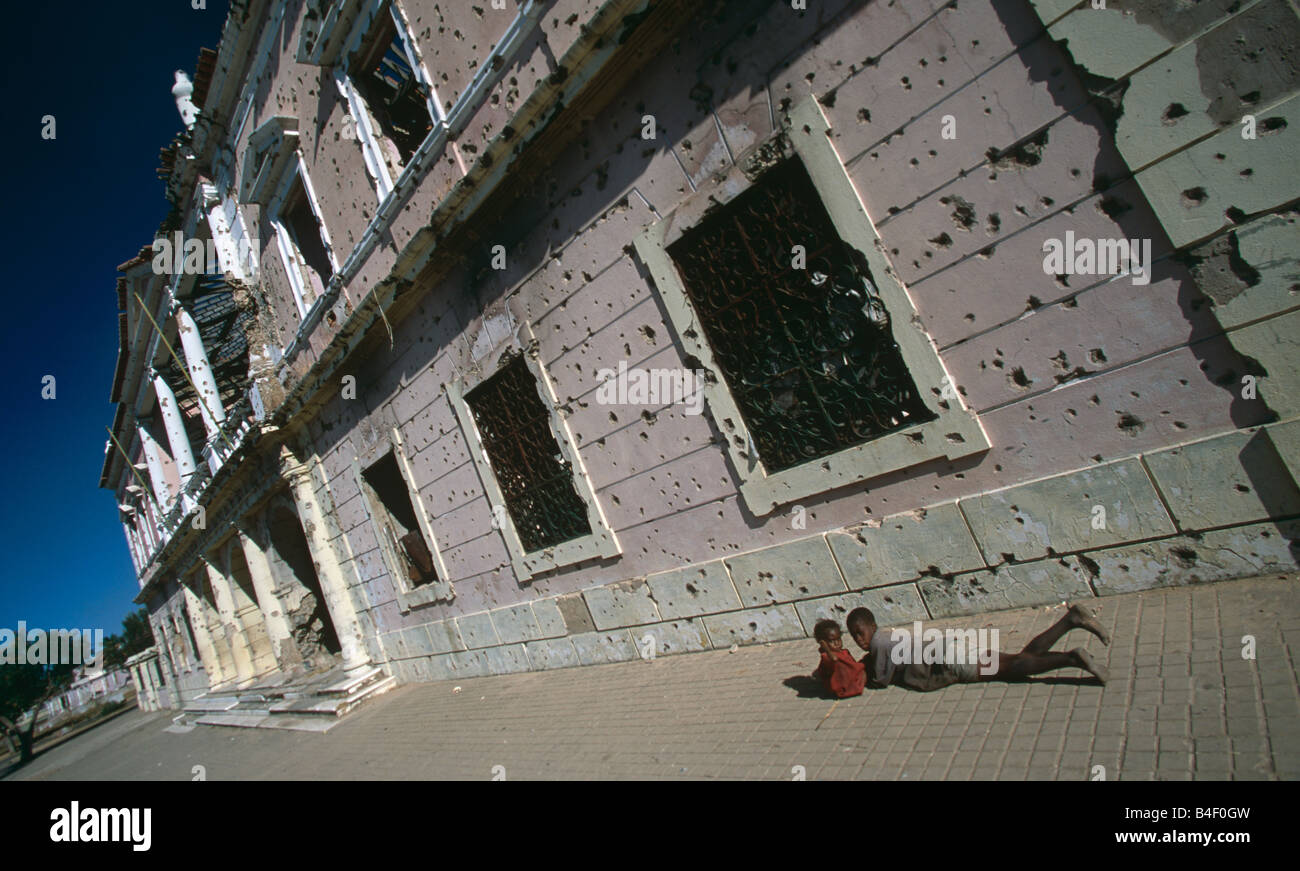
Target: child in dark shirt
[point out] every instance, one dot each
(838, 671)
(884, 668)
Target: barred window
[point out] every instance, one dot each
(808, 353)
(535, 480)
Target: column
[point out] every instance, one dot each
(277, 623)
(228, 624)
(153, 460)
(196, 361)
(207, 650)
(330, 573)
(177, 438)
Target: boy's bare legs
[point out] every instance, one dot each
(1013, 666)
(1077, 617)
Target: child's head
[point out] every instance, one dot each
(828, 636)
(862, 626)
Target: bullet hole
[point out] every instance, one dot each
(1129, 423)
(613, 418)
(1089, 565)
(1184, 556)
(1028, 152)
(994, 224)
(970, 317)
(907, 85)
(1250, 98)
(1193, 197)
(963, 214)
(916, 437)
(955, 438)
(864, 116)
(1221, 157)
(1094, 400)
(1097, 355)
(1018, 377)
(943, 240)
(914, 162)
(1008, 557)
(1272, 125)
(1064, 281)
(1032, 303)
(1234, 214)
(1173, 113)
(986, 253)
(1246, 173)
(1178, 424)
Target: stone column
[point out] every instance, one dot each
(332, 579)
(177, 438)
(278, 629)
(146, 680)
(153, 460)
(155, 679)
(229, 625)
(196, 361)
(207, 649)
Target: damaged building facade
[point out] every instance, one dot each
(505, 336)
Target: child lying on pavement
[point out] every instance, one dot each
(884, 666)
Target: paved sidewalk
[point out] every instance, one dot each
(1182, 703)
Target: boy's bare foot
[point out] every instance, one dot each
(1082, 618)
(1090, 665)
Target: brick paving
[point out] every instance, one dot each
(1182, 703)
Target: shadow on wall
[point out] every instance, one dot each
(1124, 203)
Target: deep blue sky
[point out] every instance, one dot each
(75, 207)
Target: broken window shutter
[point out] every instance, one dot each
(419, 559)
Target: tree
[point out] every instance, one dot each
(137, 634)
(23, 689)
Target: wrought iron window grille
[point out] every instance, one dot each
(535, 480)
(808, 353)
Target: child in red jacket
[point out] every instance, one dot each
(838, 671)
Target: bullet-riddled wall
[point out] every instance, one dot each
(1099, 432)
